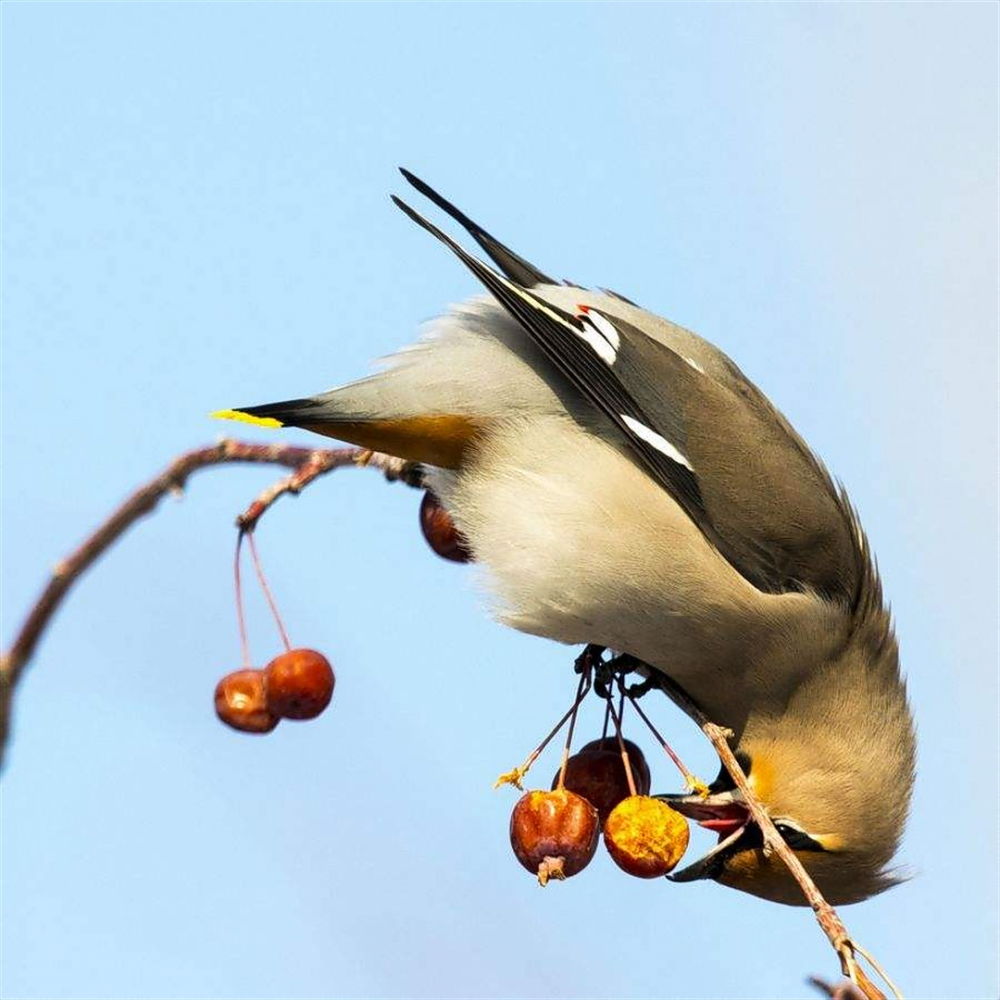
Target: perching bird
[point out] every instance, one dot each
(624, 484)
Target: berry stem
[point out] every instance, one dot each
(621, 746)
(267, 590)
(514, 777)
(572, 725)
(689, 778)
(240, 617)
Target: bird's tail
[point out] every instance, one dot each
(367, 413)
(390, 412)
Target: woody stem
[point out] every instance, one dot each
(306, 463)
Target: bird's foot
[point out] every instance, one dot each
(590, 658)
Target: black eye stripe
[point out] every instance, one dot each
(796, 839)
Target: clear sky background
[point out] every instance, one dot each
(196, 215)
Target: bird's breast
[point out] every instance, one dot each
(579, 545)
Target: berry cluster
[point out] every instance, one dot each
(297, 684)
(554, 834)
(603, 787)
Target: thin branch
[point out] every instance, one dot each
(308, 463)
(826, 915)
(316, 464)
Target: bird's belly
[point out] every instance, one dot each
(579, 545)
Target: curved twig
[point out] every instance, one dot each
(316, 464)
(307, 463)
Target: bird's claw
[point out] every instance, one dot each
(589, 658)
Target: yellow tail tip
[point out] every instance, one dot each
(246, 418)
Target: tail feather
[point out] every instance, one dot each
(287, 413)
(433, 439)
(423, 408)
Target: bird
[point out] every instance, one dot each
(623, 484)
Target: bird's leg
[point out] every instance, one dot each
(607, 671)
(589, 658)
(592, 659)
(641, 688)
(624, 663)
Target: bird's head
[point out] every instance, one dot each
(834, 768)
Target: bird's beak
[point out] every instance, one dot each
(723, 813)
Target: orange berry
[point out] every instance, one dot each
(597, 772)
(645, 837)
(241, 702)
(299, 684)
(554, 834)
(440, 531)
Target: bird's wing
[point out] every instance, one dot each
(725, 455)
(579, 346)
(514, 267)
(776, 514)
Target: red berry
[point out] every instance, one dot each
(299, 684)
(645, 837)
(241, 702)
(597, 773)
(554, 834)
(440, 531)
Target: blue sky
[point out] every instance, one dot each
(196, 215)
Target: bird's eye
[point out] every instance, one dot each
(797, 840)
